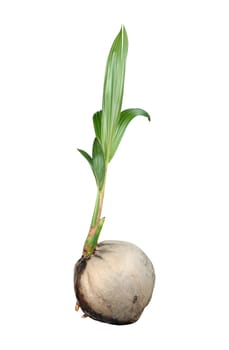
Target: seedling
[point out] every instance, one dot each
(113, 280)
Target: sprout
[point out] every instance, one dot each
(113, 280)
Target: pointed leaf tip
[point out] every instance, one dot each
(85, 155)
(97, 124)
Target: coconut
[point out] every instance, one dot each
(115, 283)
(113, 280)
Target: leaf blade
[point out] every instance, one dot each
(113, 89)
(97, 120)
(125, 118)
(98, 163)
(85, 155)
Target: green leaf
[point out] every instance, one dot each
(125, 118)
(98, 163)
(113, 90)
(97, 117)
(89, 159)
(86, 156)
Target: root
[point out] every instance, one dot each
(77, 306)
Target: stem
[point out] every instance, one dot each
(96, 209)
(96, 222)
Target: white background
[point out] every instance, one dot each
(167, 187)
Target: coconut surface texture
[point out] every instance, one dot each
(115, 283)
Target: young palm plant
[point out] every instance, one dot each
(113, 280)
